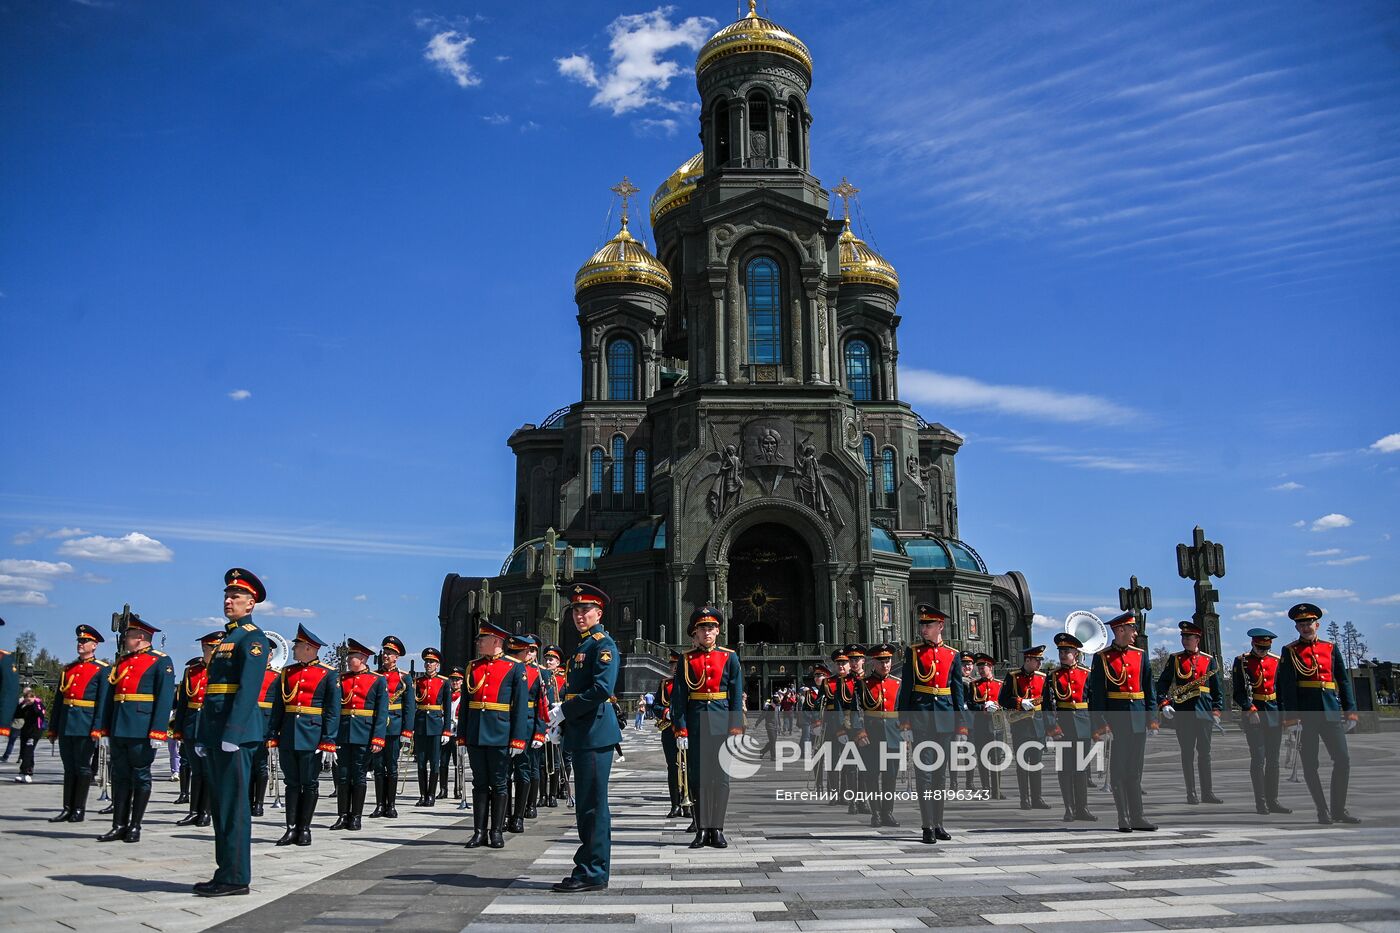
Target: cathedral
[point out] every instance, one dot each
(739, 437)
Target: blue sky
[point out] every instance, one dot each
(279, 280)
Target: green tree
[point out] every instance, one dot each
(25, 643)
(1354, 648)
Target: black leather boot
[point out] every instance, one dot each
(204, 804)
(479, 817)
(516, 824)
(702, 838)
(140, 797)
(532, 797)
(424, 788)
(258, 795)
(495, 840)
(1124, 824)
(716, 839)
(67, 811)
(293, 812)
(81, 785)
(1207, 791)
(1037, 801)
(186, 769)
(1276, 807)
(357, 807)
(191, 797)
(1136, 819)
(306, 812)
(391, 796)
(121, 815)
(342, 807)
(378, 810)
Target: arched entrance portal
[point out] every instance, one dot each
(771, 587)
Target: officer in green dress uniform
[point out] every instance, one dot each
(305, 717)
(525, 769)
(588, 731)
(432, 724)
(1314, 692)
(402, 711)
(9, 689)
(707, 706)
(231, 728)
(189, 703)
(135, 722)
(82, 691)
(1194, 677)
(262, 773)
(364, 717)
(495, 727)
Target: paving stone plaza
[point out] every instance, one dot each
(789, 866)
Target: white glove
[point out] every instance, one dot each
(157, 743)
(537, 743)
(1295, 730)
(1153, 730)
(201, 751)
(993, 706)
(682, 743)
(516, 751)
(906, 734)
(1168, 711)
(446, 739)
(1351, 725)
(102, 741)
(228, 746)
(1027, 703)
(842, 739)
(556, 713)
(553, 737)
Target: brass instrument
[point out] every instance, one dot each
(1019, 715)
(1179, 692)
(683, 778)
(459, 780)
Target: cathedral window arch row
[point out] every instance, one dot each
(621, 360)
(889, 479)
(861, 367)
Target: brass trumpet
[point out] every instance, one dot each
(683, 778)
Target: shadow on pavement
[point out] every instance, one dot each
(131, 885)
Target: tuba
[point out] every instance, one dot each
(280, 652)
(1089, 629)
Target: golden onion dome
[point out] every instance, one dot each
(677, 189)
(753, 33)
(861, 265)
(623, 259)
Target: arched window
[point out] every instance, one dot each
(794, 132)
(639, 471)
(595, 471)
(867, 450)
(765, 315)
(858, 372)
(619, 463)
(622, 370)
(721, 131)
(887, 483)
(760, 139)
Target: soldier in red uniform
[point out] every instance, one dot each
(1067, 706)
(1255, 678)
(1189, 693)
(432, 725)
(1314, 690)
(932, 697)
(1123, 704)
(305, 718)
(707, 706)
(877, 718)
(449, 751)
(834, 726)
(661, 707)
(1022, 695)
(82, 692)
(189, 702)
(848, 698)
(399, 727)
(981, 704)
(494, 728)
(559, 776)
(968, 673)
(525, 769)
(364, 717)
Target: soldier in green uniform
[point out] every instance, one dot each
(877, 722)
(81, 693)
(135, 722)
(364, 717)
(1255, 680)
(305, 716)
(588, 731)
(231, 727)
(402, 711)
(432, 725)
(261, 768)
(189, 702)
(707, 705)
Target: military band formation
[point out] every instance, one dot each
(538, 728)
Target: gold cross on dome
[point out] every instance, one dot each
(625, 190)
(845, 191)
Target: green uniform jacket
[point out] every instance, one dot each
(231, 712)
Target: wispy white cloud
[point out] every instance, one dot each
(447, 50)
(964, 393)
(1331, 522)
(1250, 606)
(638, 72)
(1289, 486)
(665, 127)
(1326, 552)
(1391, 600)
(239, 395)
(269, 608)
(133, 548)
(37, 534)
(1189, 135)
(1254, 615)
(497, 119)
(1315, 592)
(1387, 445)
(1081, 458)
(1347, 561)
(23, 598)
(361, 598)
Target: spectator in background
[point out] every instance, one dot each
(641, 712)
(30, 714)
